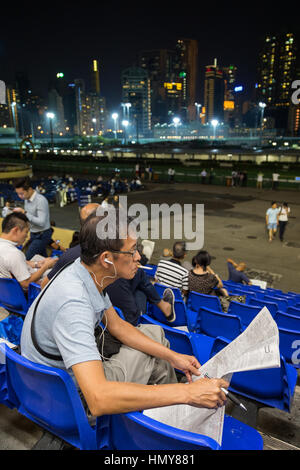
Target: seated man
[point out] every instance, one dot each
(171, 272)
(131, 296)
(236, 272)
(141, 375)
(13, 264)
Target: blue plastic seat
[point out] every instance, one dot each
(293, 311)
(135, 431)
(271, 306)
(12, 296)
(289, 345)
(48, 397)
(180, 310)
(282, 303)
(151, 272)
(244, 311)
(196, 300)
(212, 323)
(285, 320)
(162, 287)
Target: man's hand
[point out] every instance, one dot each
(188, 364)
(19, 209)
(207, 393)
(49, 262)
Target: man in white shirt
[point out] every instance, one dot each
(275, 180)
(13, 264)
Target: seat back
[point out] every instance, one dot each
(244, 311)
(290, 322)
(179, 307)
(34, 290)
(12, 296)
(271, 306)
(196, 300)
(48, 397)
(219, 324)
(282, 304)
(289, 345)
(293, 311)
(162, 287)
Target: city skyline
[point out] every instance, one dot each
(68, 39)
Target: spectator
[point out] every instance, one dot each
(202, 278)
(259, 181)
(73, 252)
(75, 239)
(235, 271)
(36, 208)
(171, 175)
(132, 295)
(283, 214)
(64, 324)
(13, 264)
(171, 272)
(7, 209)
(272, 220)
(203, 176)
(275, 180)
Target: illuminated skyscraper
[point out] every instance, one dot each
(214, 93)
(186, 63)
(276, 71)
(95, 78)
(136, 91)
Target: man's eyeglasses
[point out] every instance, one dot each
(132, 253)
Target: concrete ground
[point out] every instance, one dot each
(234, 226)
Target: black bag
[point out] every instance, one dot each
(107, 344)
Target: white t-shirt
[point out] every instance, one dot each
(275, 176)
(283, 214)
(12, 261)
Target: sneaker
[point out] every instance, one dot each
(168, 296)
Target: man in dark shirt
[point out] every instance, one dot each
(235, 272)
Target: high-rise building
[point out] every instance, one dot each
(95, 78)
(158, 65)
(186, 65)
(214, 93)
(136, 91)
(276, 71)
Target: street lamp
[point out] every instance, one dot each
(115, 117)
(176, 122)
(214, 123)
(198, 110)
(13, 107)
(262, 107)
(125, 124)
(51, 116)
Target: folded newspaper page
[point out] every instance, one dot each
(256, 348)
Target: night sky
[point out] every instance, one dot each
(66, 37)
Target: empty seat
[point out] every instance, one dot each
(289, 344)
(244, 311)
(180, 311)
(271, 306)
(290, 322)
(293, 311)
(215, 324)
(196, 300)
(282, 304)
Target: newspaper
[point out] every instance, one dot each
(256, 348)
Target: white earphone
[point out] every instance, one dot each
(107, 261)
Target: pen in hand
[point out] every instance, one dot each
(230, 395)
